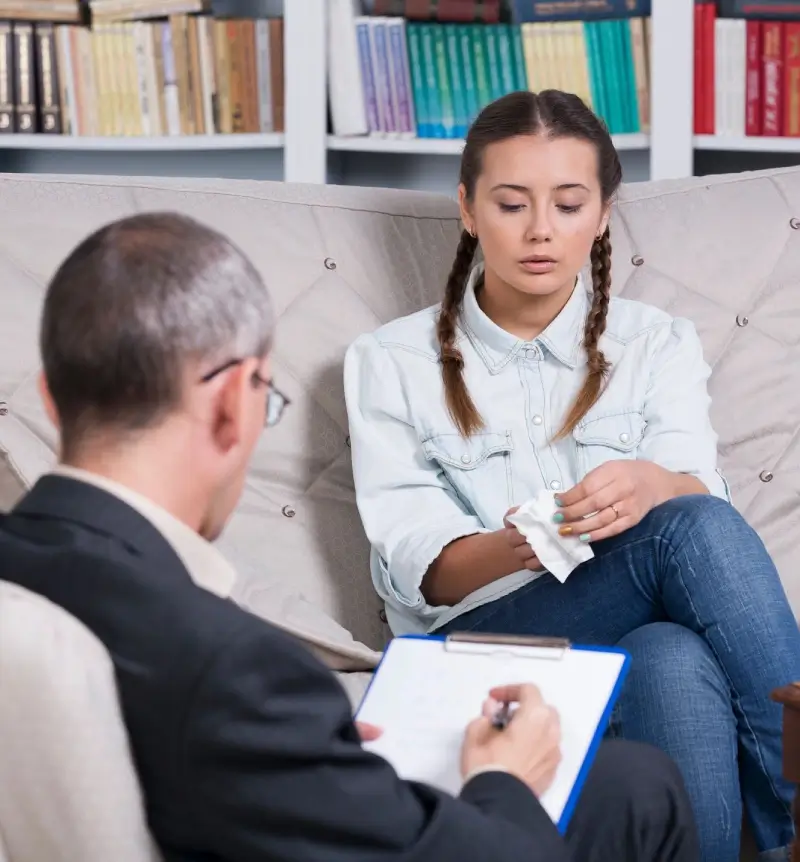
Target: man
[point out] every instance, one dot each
(155, 339)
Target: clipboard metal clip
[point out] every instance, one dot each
(518, 645)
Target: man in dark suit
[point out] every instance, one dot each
(155, 341)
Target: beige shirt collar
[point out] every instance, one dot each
(205, 564)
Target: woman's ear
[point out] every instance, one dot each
(606, 218)
(466, 210)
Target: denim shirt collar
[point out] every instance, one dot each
(496, 347)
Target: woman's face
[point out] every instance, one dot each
(537, 209)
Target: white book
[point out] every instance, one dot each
(345, 85)
(428, 689)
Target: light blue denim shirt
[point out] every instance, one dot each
(420, 485)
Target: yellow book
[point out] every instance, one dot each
(581, 54)
(639, 49)
(528, 46)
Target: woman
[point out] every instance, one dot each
(524, 380)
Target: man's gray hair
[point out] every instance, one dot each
(133, 307)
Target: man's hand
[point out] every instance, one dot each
(519, 544)
(528, 747)
(617, 495)
(368, 732)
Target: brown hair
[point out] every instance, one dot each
(557, 115)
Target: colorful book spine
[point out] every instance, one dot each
(444, 83)
(772, 59)
(508, 79)
(456, 74)
(518, 56)
(401, 86)
(365, 58)
(791, 81)
(379, 55)
(481, 68)
(525, 11)
(422, 111)
(432, 82)
(493, 61)
(470, 76)
(753, 111)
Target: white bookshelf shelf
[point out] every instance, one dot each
(747, 144)
(194, 143)
(442, 147)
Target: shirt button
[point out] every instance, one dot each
(465, 459)
(624, 437)
(537, 420)
(555, 485)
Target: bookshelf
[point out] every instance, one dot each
(306, 152)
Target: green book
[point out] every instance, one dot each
(456, 73)
(443, 81)
(518, 57)
(615, 89)
(492, 60)
(469, 75)
(481, 66)
(431, 81)
(508, 78)
(596, 70)
(417, 69)
(631, 97)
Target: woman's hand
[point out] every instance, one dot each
(617, 495)
(519, 544)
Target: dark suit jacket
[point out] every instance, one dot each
(243, 741)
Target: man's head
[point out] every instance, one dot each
(155, 340)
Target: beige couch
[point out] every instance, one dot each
(723, 251)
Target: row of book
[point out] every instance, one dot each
(746, 75)
(96, 11)
(511, 11)
(187, 75)
(389, 76)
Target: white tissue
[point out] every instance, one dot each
(560, 555)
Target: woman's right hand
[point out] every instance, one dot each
(529, 747)
(519, 544)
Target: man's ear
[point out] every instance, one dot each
(229, 406)
(47, 400)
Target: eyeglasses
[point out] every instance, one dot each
(277, 402)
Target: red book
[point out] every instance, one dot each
(698, 69)
(709, 100)
(791, 80)
(754, 111)
(772, 55)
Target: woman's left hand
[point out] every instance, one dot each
(619, 493)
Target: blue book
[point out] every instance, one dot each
(528, 11)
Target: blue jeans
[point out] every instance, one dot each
(692, 593)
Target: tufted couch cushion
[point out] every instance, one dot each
(723, 251)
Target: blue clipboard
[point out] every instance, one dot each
(493, 641)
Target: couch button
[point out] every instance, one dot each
(382, 616)
(742, 320)
(765, 475)
(330, 263)
(794, 223)
(637, 260)
(288, 511)
(3, 408)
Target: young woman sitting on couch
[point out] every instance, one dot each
(522, 381)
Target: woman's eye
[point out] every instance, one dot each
(511, 208)
(569, 209)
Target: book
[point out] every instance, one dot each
(524, 11)
(455, 11)
(765, 9)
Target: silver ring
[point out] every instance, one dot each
(616, 511)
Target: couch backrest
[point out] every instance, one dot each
(723, 251)
(68, 789)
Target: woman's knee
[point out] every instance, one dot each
(674, 683)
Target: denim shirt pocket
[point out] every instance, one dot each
(611, 437)
(478, 468)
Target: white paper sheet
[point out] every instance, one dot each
(423, 696)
